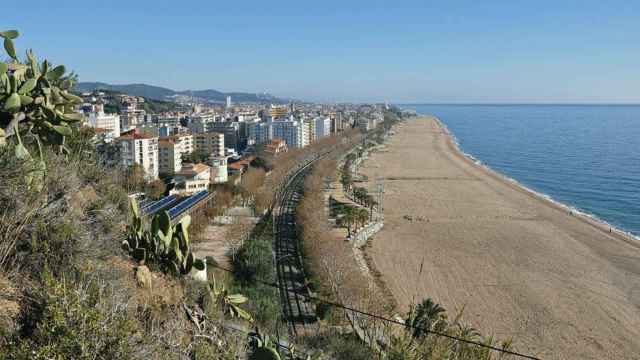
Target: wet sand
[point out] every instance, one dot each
(560, 285)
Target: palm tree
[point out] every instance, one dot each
(362, 215)
(424, 316)
(347, 219)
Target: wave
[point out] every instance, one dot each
(570, 208)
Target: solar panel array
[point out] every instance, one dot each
(187, 204)
(156, 206)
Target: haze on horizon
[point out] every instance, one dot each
(406, 51)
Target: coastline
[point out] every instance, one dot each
(519, 264)
(590, 219)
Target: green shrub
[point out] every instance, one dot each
(74, 320)
(254, 262)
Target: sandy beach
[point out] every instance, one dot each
(559, 284)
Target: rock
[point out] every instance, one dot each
(199, 275)
(143, 277)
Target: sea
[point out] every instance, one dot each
(586, 157)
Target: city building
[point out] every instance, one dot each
(169, 157)
(141, 149)
(336, 122)
(259, 132)
(192, 178)
(311, 130)
(110, 122)
(277, 112)
(231, 131)
(218, 170)
(200, 123)
(294, 133)
(228, 102)
(186, 142)
(322, 127)
(275, 147)
(210, 143)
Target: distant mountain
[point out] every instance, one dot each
(161, 93)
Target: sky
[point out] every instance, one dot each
(543, 51)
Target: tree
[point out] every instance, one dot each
(348, 219)
(260, 162)
(134, 178)
(360, 194)
(371, 203)
(195, 157)
(155, 189)
(362, 215)
(424, 316)
(346, 180)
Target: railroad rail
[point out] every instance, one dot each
(298, 310)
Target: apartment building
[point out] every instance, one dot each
(141, 149)
(169, 157)
(294, 133)
(211, 143)
(231, 131)
(200, 123)
(278, 111)
(171, 151)
(322, 128)
(311, 130)
(259, 132)
(110, 122)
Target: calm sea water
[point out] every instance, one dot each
(587, 157)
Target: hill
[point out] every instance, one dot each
(161, 93)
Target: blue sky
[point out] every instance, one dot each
(402, 51)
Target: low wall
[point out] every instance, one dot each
(361, 237)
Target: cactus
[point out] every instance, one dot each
(218, 296)
(162, 243)
(35, 103)
(263, 348)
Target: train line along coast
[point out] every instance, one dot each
(519, 266)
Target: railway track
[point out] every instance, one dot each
(298, 310)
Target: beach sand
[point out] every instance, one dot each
(560, 285)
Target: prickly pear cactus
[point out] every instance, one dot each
(162, 244)
(35, 99)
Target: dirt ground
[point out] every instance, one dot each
(560, 285)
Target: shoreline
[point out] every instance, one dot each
(590, 219)
(519, 264)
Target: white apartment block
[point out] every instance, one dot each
(185, 141)
(211, 143)
(136, 148)
(322, 128)
(109, 122)
(294, 133)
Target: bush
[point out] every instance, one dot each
(254, 262)
(73, 320)
(341, 347)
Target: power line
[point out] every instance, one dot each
(382, 318)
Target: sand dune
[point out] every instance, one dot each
(561, 286)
